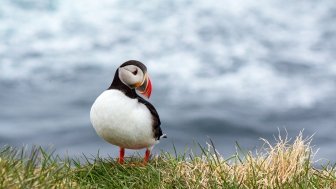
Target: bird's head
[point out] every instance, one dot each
(134, 74)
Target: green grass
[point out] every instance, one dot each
(286, 164)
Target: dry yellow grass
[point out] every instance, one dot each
(279, 166)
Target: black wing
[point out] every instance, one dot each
(155, 116)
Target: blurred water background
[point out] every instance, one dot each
(226, 70)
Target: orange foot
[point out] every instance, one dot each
(121, 159)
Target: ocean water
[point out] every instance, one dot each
(221, 70)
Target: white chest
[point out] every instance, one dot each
(122, 121)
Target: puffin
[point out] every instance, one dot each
(124, 118)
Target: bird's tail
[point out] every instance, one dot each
(163, 136)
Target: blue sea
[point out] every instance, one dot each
(229, 71)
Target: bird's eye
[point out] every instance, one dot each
(135, 72)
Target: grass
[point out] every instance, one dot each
(286, 164)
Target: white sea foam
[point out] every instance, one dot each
(269, 53)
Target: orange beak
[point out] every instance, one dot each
(146, 87)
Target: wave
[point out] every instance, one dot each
(272, 54)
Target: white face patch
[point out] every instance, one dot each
(131, 75)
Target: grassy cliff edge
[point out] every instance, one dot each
(285, 164)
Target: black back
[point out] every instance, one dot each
(155, 116)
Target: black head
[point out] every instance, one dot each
(133, 75)
(135, 63)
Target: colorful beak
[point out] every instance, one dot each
(146, 87)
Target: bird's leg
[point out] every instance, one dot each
(121, 155)
(147, 154)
